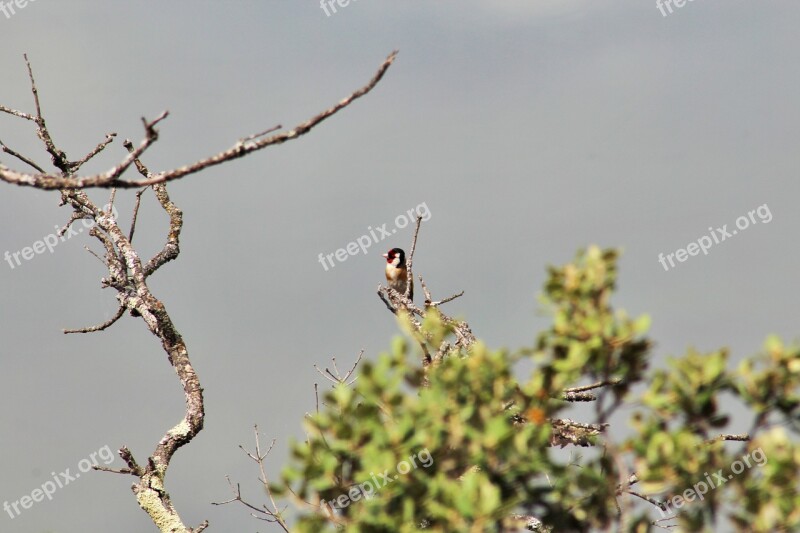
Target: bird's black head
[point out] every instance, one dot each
(395, 256)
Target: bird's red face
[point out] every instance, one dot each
(395, 257)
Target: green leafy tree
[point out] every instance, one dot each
(445, 434)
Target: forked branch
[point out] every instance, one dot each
(112, 178)
(128, 274)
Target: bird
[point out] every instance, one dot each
(397, 273)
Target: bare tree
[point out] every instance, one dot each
(128, 273)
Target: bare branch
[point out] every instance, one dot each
(426, 292)
(100, 327)
(578, 397)
(114, 470)
(337, 378)
(566, 431)
(58, 157)
(260, 134)
(115, 263)
(33, 89)
(16, 113)
(350, 372)
(127, 456)
(648, 499)
(110, 209)
(143, 170)
(410, 259)
(111, 178)
(128, 275)
(21, 157)
(137, 202)
(448, 299)
(389, 306)
(263, 513)
(95, 254)
(531, 523)
(592, 386)
(172, 246)
(741, 437)
(74, 216)
(97, 149)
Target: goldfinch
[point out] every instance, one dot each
(396, 272)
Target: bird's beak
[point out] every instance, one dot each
(385, 255)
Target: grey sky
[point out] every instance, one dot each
(528, 129)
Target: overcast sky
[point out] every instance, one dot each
(526, 129)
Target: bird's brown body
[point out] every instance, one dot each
(396, 272)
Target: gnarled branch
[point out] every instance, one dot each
(128, 274)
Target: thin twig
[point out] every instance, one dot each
(648, 499)
(137, 202)
(16, 113)
(350, 372)
(58, 157)
(264, 513)
(72, 218)
(385, 301)
(97, 149)
(428, 297)
(448, 299)
(410, 259)
(597, 385)
(127, 456)
(114, 470)
(111, 201)
(95, 254)
(260, 134)
(99, 327)
(21, 157)
(337, 378)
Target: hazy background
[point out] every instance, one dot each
(529, 129)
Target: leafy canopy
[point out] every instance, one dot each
(466, 445)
